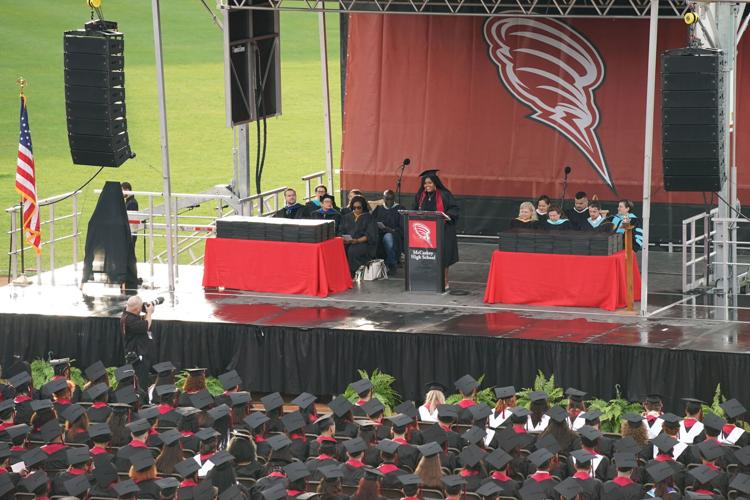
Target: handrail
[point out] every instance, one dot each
(44, 201)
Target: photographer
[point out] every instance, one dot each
(136, 332)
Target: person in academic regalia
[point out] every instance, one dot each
(242, 448)
(348, 208)
(434, 196)
(595, 220)
(622, 485)
(316, 201)
(389, 222)
(527, 217)
(327, 211)
(542, 206)
(625, 215)
(556, 221)
(292, 209)
(360, 234)
(580, 211)
(544, 461)
(434, 397)
(732, 434)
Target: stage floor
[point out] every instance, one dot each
(385, 306)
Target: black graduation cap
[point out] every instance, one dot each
(73, 412)
(432, 171)
(164, 368)
(4, 451)
(361, 386)
(558, 414)
(126, 395)
(61, 361)
(472, 455)
(741, 482)
(732, 408)
(703, 474)
(498, 459)
(20, 379)
(124, 372)
(400, 420)
(633, 419)
(142, 460)
(435, 386)
(447, 411)
(366, 424)
(15, 431)
(33, 457)
(239, 398)
(569, 488)
(41, 404)
(537, 396)
(574, 394)
(340, 406)
(201, 399)
(664, 443)
(480, 411)
(206, 433)
(195, 372)
(187, 468)
(95, 391)
(278, 442)
(218, 412)
(6, 405)
(166, 389)
(371, 473)
(221, 457)
(275, 493)
(354, 446)
(531, 491)
(293, 421)
(489, 489)
(453, 480)
(549, 442)
(167, 483)
(711, 450)
(713, 421)
(429, 449)
(589, 433)
(34, 481)
(295, 471)
(149, 413)
(230, 379)
(138, 426)
(410, 479)
(50, 431)
(407, 408)
(235, 493)
(627, 445)
(625, 460)
(540, 456)
(659, 471)
(434, 434)
(170, 436)
(388, 446)
(466, 384)
(99, 429)
(670, 418)
(55, 385)
(272, 401)
(373, 407)
(582, 456)
(255, 420)
(505, 392)
(474, 435)
(6, 485)
(591, 415)
(95, 371)
(186, 411)
(304, 400)
(743, 455)
(694, 400)
(654, 398)
(77, 485)
(77, 455)
(104, 471)
(331, 472)
(127, 488)
(520, 412)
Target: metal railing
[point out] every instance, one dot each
(265, 203)
(311, 181)
(697, 252)
(54, 227)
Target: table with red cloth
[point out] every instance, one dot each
(316, 269)
(560, 280)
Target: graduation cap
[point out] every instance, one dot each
(187, 468)
(4, 451)
(480, 411)
(169, 437)
(506, 392)
(741, 483)
(474, 435)
(711, 450)
(77, 485)
(295, 471)
(127, 488)
(429, 449)
(167, 483)
(6, 485)
(275, 493)
(537, 396)
(670, 418)
(625, 460)
(104, 471)
(569, 488)
(540, 456)
(361, 386)
(407, 408)
(713, 421)
(388, 446)
(340, 406)
(331, 472)
(19, 380)
(373, 407)
(221, 457)
(50, 431)
(520, 412)
(126, 395)
(703, 474)
(732, 408)
(201, 399)
(16, 431)
(627, 445)
(6, 405)
(34, 481)
(73, 412)
(410, 479)
(219, 412)
(653, 398)
(124, 372)
(77, 455)
(41, 404)
(466, 384)
(371, 473)
(659, 471)
(575, 394)
(149, 413)
(472, 455)
(230, 380)
(195, 372)
(354, 446)
(239, 398)
(96, 391)
(531, 491)
(138, 426)
(591, 415)
(582, 456)
(498, 459)
(61, 362)
(430, 172)
(272, 401)
(166, 389)
(33, 457)
(633, 419)
(95, 371)
(304, 400)
(664, 442)
(435, 386)
(400, 420)
(204, 491)
(56, 385)
(207, 433)
(447, 412)
(255, 420)
(186, 411)
(589, 433)
(558, 414)
(434, 434)
(164, 368)
(743, 455)
(235, 493)
(99, 429)
(453, 481)
(293, 421)
(694, 401)
(550, 443)
(142, 461)
(278, 442)
(489, 489)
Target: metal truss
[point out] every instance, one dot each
(547, 8)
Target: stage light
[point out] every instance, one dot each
(690, 18)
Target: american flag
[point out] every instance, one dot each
(26, 183)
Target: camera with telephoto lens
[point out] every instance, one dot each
(155, 302)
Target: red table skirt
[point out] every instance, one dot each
(316, 269)
(560, 280)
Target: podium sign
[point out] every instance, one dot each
(424, 251)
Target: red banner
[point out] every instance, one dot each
(502, 105)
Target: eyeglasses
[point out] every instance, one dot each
(357, 207)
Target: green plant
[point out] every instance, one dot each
(382, 389)
(486, 395)
(543, 384)
(212, 383)
(715, 407)
(111, 375)
(613, 410)
(42, 372)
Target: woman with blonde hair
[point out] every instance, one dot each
(435, 396)
(527, 217)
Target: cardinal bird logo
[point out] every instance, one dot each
(423, 233)
(551, 68)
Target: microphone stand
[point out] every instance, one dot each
(565, 188)
(398, 182)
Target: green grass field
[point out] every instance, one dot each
(31, 36)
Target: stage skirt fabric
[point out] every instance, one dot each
(316, 269)
(560, 280)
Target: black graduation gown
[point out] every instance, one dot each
(299, 448)
(252, 470)
(393, 222)
(604, 226)
(520, 224)
(510, 487)
(547, 486)
(450, 207)
(296, 211)
(149, 489)
(315, 464)
(613, 491)
(359, 254)
(352, 474)
(408, 455)
(576, 218)
(99, 415)
(390, 476)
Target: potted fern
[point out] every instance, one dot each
(382, 389)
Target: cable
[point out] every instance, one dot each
(79, 189)
(732, 208)
(213, 16)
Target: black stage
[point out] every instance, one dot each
(293, 344)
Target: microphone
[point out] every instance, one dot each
(568, 170)
(407, 161)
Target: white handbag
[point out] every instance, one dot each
(373, 270)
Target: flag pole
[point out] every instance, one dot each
(21, 82)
